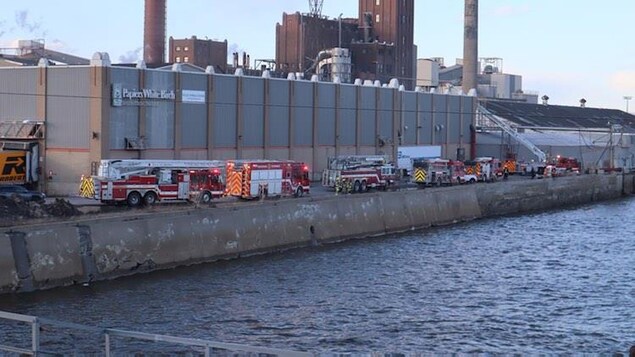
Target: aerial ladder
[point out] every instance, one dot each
(542, 157)
(117, 169)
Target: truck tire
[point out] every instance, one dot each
(299, 192)
(206, 197)
(364, 187)
(357, 187)
(150, 198)
(134, 199)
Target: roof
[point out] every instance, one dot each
(558, 116)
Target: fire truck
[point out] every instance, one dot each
(490, 169)
(437, 172)
(566, 165)
(358, 173)
(138, 182)
(249, 179)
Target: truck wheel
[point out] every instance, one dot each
(357, 187)
(149, 199)
(134, 199)
(364, 187)
(299, 192)
(206, 197)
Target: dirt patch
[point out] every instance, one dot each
(16, 211)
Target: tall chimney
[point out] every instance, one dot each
(470, 46)
(154, 32)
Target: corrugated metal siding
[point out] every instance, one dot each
(68, 81)
(386, 107)
(225, 111)
(348, 115)
(253, 95)
(368, 111)
(279, 112)
(18, 99)
(193, 126)
(439, 114)
(409, 118)
(124, 120)
(326, 114)
(454, 115)
(124, 123)
(467, 116)
(303, 113)
(160, 113)
(425, 118)
(193, 115)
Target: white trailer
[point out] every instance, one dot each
(405, 155)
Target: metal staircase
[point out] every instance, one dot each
(482, 111)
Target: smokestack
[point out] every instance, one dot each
(470, 46)
(154, 32)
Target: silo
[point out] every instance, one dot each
(154, 32)
(470, 46)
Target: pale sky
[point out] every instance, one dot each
(566, 49)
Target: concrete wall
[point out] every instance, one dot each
(57, 254)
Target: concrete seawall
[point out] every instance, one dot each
(65, 253)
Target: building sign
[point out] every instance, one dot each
(122, 96)
(193, 96)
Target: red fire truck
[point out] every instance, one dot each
(137, 182)
(358, 173)
(250, 179)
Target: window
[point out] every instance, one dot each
(186, 59)
(186, 48)
(178, 59)
(178, 49)
(377, 18)
(377, 2)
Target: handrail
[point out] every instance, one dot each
(36, 322)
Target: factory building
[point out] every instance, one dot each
(599, 138)
(199, 52)
(74, 116)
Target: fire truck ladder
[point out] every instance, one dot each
(22, 129)
(118, 168)
(482, 111)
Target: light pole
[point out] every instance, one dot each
(627, 98)
(339, 42)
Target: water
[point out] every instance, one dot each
(556, 282)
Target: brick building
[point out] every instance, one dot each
(201, 53)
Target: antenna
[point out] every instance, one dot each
(316, 7)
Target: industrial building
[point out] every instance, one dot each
(599, 138)
(77, 115)
(199, 52)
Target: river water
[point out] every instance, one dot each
(555, 282)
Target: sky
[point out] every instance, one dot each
(565, 49)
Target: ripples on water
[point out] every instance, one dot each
(556, 282)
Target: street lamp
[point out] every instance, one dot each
(627, 98)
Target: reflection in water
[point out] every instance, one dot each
(557, 282)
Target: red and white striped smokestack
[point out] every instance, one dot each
(154, 32)
(470, 46)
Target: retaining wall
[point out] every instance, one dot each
(65, 253)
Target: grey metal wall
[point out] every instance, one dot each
(348, 115)
(67, 107)
(159, 116)
(279, 112)
(302, 113)
(252, 107)
(326, 113)
(124, 120)
(18, 93)
(225, 105)
(193, 115)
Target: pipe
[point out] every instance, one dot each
(154, 32)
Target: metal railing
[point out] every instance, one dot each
(108, 333)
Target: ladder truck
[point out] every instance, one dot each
(358, 173)
(138, 182)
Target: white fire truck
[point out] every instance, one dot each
(358, 173)
(137, 182)
(250, 179)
